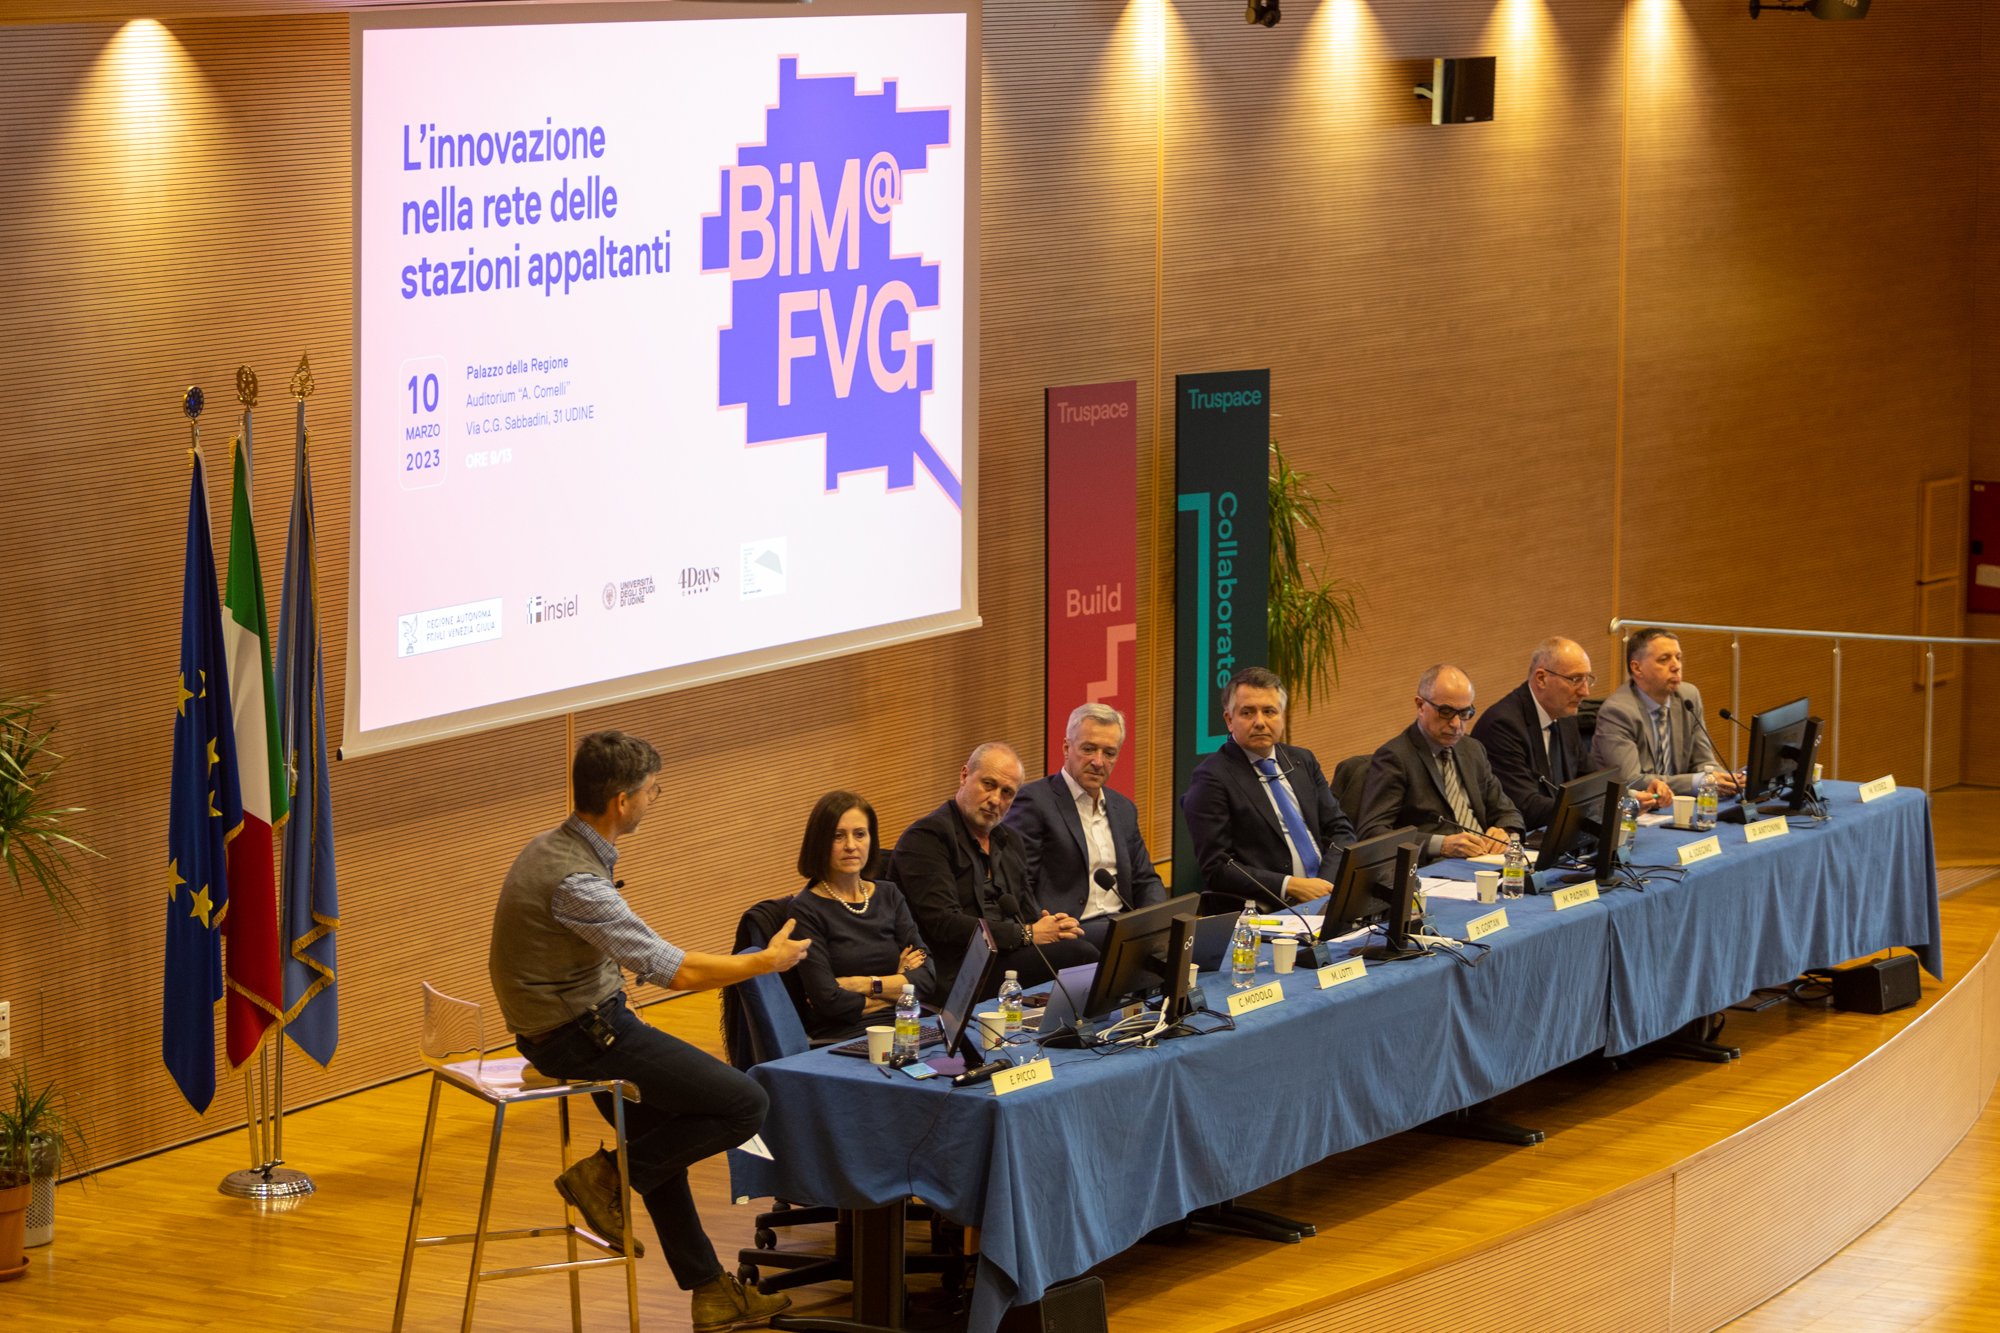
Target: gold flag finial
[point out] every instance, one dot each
(246, 386)
(191, 401)
(302, 378)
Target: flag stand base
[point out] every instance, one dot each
(266, 1182)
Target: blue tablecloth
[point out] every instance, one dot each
(1062, 1176)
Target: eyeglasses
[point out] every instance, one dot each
(1582, 680)
(1446, 713)
(650, 790)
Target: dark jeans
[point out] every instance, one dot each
(691, 1105)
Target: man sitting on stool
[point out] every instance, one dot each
(955, 865)
(561, 931)
(1077, 833)
(1436, 777)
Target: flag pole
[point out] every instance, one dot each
(267, 1179)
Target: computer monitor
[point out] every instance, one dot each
(1585, 808)
(1146, 949)
(1776, 737)
(978, 979)
(1365, 884)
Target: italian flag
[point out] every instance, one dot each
(255, 994)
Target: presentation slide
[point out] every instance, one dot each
(662, 365)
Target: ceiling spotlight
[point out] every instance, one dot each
(1832, 10)
(1264, 13)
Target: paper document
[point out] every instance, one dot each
(754, 1145)
(1463, 890)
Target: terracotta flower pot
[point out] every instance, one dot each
(13, 1227)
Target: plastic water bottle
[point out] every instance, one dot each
(1628, 825)
(909, 1028)
(1010, 1002)
(1243, 950)
(1514, 870)
(1704, 800)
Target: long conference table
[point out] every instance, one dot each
(1060, 1176)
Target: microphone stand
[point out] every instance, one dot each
(1322, 952)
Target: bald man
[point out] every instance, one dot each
(1436, 776)
(1531, 736)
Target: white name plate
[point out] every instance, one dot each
(1766, 828)
(1576, 895)
(1876, 790)
(1023, 1076)
(1335, 973)
(1481, 926)
(1257, 997)
(1701, 851)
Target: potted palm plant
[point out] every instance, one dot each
(1310, 616)
(36, 1132)
(37, 848)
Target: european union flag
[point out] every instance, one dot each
(206, 812)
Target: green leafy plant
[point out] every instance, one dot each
(35, 843)
(36, 1132)
(1310, 616)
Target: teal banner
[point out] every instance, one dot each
(1222, 563)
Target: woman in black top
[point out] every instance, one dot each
(866, 945)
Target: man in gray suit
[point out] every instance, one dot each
(1650, 729)
(1437, 777)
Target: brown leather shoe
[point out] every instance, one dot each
(591, 1187)
(723, 1303)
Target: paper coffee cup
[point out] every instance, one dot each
(992, 1027)
(1683, 811)
(1284, 953)
(881, 1037)
(1487, 884)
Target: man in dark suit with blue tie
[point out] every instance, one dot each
(1260, 813)
(1076, 832)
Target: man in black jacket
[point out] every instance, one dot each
(956, 864)
(1531, 736)
(1436, 777)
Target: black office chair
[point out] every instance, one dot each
(1350, 778)
(1586, 719)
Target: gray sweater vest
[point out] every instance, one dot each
(544, 974)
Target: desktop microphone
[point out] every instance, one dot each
(1107, 879)
(980, 1074)
(1011, 905)
(1322, 952)
(1728, 716)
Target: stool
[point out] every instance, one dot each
(456, 1027)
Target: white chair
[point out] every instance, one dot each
(457, 1028)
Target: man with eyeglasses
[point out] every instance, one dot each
(1435, 776)
(1531, 736)
(1259, 812)
(1650, 729)
(561, 931)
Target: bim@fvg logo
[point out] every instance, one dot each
(819, 339)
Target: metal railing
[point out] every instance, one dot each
(1929, 642)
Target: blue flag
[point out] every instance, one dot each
(206, 812)
(312, 908)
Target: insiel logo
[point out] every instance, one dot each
(541, 609)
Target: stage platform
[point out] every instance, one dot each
(1668, 1196)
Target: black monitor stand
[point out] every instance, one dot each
(1398, 945)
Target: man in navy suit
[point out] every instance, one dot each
(1260, 813)
(1531, 736)
(1075, 829)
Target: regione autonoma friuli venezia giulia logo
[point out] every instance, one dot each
(819, 340)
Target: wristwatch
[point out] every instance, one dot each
(875, 986)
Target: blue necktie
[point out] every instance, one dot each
(1295, 823)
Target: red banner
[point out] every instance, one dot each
(1093, 561)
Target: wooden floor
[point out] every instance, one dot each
(150, 1245)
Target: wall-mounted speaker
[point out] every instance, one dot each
(1461, 90)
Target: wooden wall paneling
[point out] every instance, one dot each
(1798, 324)
(1437, 307)
(1942, 554)
(1940, 611)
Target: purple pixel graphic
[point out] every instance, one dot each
(819, 339)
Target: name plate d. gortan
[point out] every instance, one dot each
(1876, 790)
(1701, 851)
(1335, 973)
(1481, 926)
(1257, 997)
(1576, 895)
(1766, 828)
(1023, 1076)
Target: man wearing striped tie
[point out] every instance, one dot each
(1260, 813)
(1650, 730)
(1436, 776)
